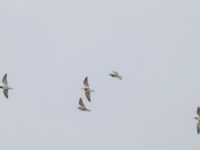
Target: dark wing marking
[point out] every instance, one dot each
(5, 82)
(87, 94)
(85, 82)
(198, 127)
(81, 102)
(5, 92)
(198, 111)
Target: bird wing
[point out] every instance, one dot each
(120, 77)
(198, 111)
(5, 92)
(116, 73)
(5, 82)
(81, 102)
(87, 94)
(198, 127)
(85, 82)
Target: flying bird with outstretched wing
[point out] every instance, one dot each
(82, 106)
(86, 89)
(198, 119)
(5, 86)
(115, 74)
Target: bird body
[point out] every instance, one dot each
(115, 74)
(83, 109)
(86, 89)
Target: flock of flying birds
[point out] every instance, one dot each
(86, 89)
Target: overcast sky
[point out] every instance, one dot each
(47, 47)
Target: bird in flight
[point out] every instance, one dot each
(198, 119)
(115, 74)
(82, 106)
(5, 86)
(86, 89)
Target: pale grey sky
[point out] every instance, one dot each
(47, 48)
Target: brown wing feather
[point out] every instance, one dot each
(87, 94)
(5, 92)
(198, 111)
(85, 82)
(4, 80)
(81, 102)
